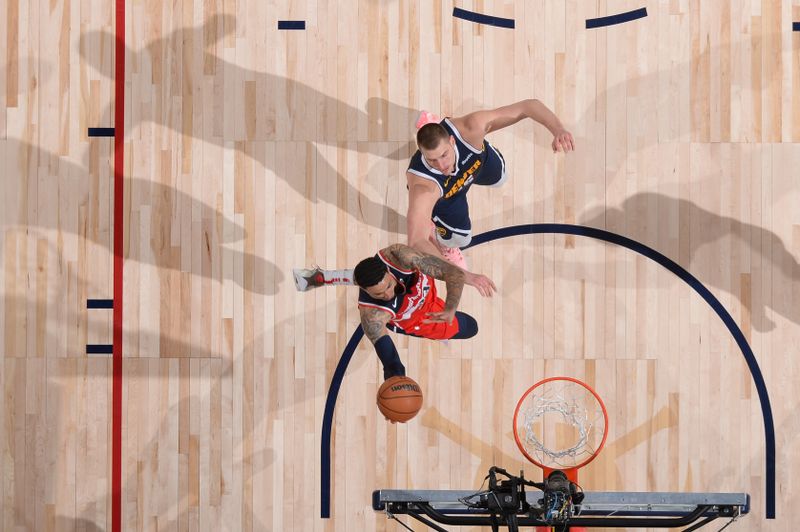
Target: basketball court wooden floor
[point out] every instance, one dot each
(250, 150)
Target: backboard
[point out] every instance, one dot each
(598, 509)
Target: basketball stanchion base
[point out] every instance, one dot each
(625, 510)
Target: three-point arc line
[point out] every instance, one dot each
(619, 18)
(501, 22)
(480, 18)
(599, 234)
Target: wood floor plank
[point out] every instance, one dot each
(250, 151)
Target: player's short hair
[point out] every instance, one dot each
(430, 135)
(369, 272)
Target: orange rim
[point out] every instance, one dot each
(576, 381)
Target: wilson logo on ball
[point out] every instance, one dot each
(405, 387)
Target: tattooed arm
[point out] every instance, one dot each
(373, 321)
(453, 276)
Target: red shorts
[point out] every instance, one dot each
(433, 331)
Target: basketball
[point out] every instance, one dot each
(399, 398)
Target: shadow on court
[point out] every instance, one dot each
(76, 525)
(606, 462)
(700, 238)
(193, 443)
(162, 445)
(291, 106)
(65, 188)
(675, 102)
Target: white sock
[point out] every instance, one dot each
(344, 277)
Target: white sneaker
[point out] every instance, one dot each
(305, 280)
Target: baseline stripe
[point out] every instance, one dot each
(616, 19)
(119, 181)
(480, 18)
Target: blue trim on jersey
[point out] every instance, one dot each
(451, 127)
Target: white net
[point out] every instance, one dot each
(560, 424)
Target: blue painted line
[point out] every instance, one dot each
(480, 18)
(101, 131)
(291, 24)
(99, 349)
(705, 293)
(99, 303)
(327, 419)
(795, 26)
(613, 238)
(616, 19)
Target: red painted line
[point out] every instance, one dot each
(119, 221)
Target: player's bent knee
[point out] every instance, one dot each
(467, 326)
(457, 240)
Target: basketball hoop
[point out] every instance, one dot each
(560, 424)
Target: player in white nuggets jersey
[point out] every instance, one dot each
(453, 155)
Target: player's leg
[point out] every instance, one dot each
(452, 229)
(461, 327)
(467, 326)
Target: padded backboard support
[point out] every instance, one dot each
(598, 509)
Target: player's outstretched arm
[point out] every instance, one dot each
(483, 122)
(373, 321)
(453, 276)
(422, 196)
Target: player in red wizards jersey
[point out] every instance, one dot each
(398, 293)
